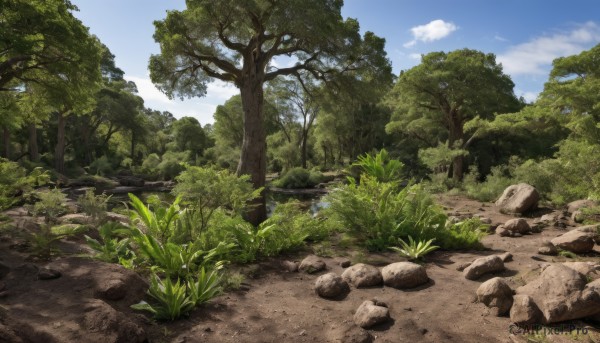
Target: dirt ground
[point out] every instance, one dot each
(273, 305)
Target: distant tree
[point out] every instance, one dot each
(236, 41)
(435, 99)
(189, 135)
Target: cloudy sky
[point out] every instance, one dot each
(525, 35)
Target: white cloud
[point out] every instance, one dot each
(535, 57)
(200, 108)
(432, 31)
(500, 38)
(415, 56)
(528, 96)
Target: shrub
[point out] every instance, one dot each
(380, 166)
(414, 250)
(172, 163)
(51, 204)
(101, 166)
(297, 178)
(15, 182)
(94, 205)
(493, 186)
(113, 246)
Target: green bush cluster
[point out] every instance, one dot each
(297, 178)
(16, 183)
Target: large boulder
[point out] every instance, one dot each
(561, 294)
(483, 265)
(575, 241)
(547, 248)
(591, 270)
(497, 295)
(312, 264)
(369, 314)
(404, 275)
(362, 275)
(103, 321)
(524, 310)
(518, 199)
(577, 205)
(593, 230)
(331, 285)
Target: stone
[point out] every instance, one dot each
(290, 266)
(356, 334)
(575, 241)
(502, 231)
(48, 274)
(561, 294)
(331, 285)
(518, 225)
(548, 248)
(116, 217)
(462, 266)
(368, 314)
(312, 264)
(131, 181)
(593, 230)
(591, 270)
(114, 289)
(577, 217)
(497, 295)
(362, 275)
(483, 265)
(345, 263)
(524, 310)
(75, 218)
(4, 270)
(404, 275)
(112, 326)
(518, 199)
(579, 204)
(506, 257)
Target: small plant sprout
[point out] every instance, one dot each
(414, 250)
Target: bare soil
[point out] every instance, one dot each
(273, 305)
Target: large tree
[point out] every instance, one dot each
(434, 100)
(236, 41)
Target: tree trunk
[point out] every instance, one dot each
(34, 154)
(6, 142)
(456, 134)
(59, 153)
(253, 159)
(303, 148)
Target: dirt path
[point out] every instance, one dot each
(276, 305)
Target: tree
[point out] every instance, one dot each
(189, 135)
(436, 98)
(236, 41)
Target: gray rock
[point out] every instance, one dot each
(506, 257)
(483, 265)
(290, 266)
(524, 310)
(75, 218)
(312, 264)
(575, 241)
(502, 231)
(462, 266)
(368, 314)
(362, 275)
(497, 295)
(404, 275)
(113, 289)
(345, 263)
(579, 204)
(517, 225)
(48, 274)
(331, 285)
(593, 230)
(355, 334)
(548, 248)
(518, 199)
(591, 270)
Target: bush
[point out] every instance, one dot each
(101, 166)
(172, 164)
(297, 178)
(15, 182)
(51, 205)
(94, 205)
(380, 166)
(491, 188)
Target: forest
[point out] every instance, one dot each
(172, 219)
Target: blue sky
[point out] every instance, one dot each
(525, 35)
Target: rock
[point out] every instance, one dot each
(497, 295)
(345, 263)
(575, 241)
(369, 314)
(355, 334)
(516, 234)
(116, 217)
(2, 286)
(131, 181)
(75, 218)
(518, 199)
(312, 264)
(102, 320)
(561, 294)
(548, 248)
(591, 270)
(462, 266)
(48, 274)
(579, 204)
(483, 265)
(518, 225)
(362, 275)
(524, 310)
(114, 289)
(4, 270)
(404, 275)
(502, 231)
(331, 285)
(593, 230)
(578, 217)
(290, 266)
(506, 257)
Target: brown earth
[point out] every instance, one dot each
(273, 305)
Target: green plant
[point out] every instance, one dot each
(567, 254)
(206, 287)
(232, 281)
(14, 181)
(51, 205)
(380, 166)
(94, 205)
(172, 300)
(42, 242)
(299, 178)
(113, 246)
(159, 222)
(414, 250)
(101, 166)
(491, 188)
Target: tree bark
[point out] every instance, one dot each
(303, 148)
(253, 159)
(59, 153)
(34, 154)
(456, 134)
(6, 142)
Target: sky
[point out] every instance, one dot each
(525, 35)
